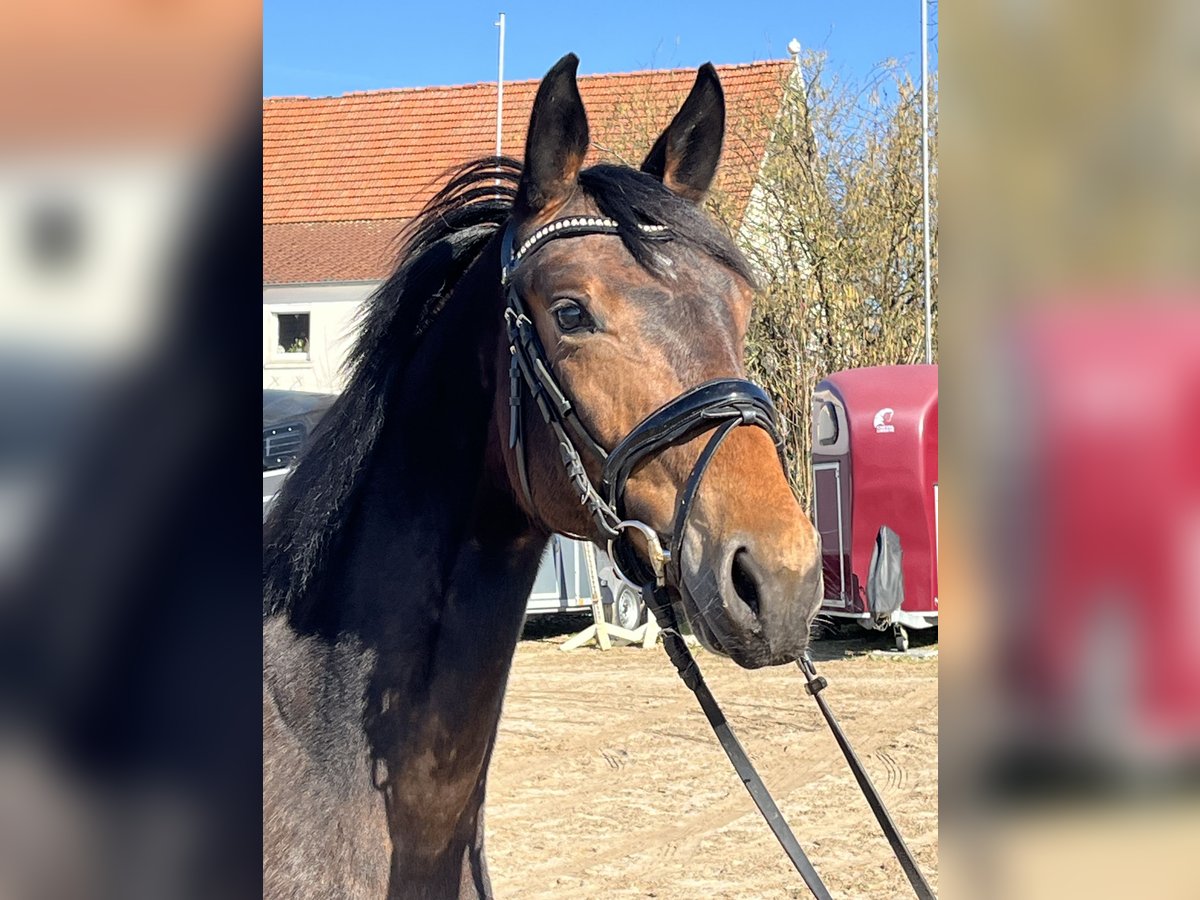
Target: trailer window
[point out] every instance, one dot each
(827, 425)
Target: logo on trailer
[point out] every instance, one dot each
(883, 421)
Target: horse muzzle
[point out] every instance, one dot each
(742, 605)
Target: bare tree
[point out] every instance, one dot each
(834, 228)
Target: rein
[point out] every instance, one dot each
(717, 406)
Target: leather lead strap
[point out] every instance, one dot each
(681, 657)
(814, 685)
(657, 600)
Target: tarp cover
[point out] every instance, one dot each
(289, 406)
(885, 580)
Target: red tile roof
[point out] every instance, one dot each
(341, 175)
(302, 252)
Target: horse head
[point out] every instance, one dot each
(644, 300)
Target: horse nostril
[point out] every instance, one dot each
(744, 583)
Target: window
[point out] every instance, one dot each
(827, 425)
(292, 335)
(55, 234)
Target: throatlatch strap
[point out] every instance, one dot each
(681, 657)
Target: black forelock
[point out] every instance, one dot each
(633, 198)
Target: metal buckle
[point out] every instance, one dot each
(813, 683)
(658, 556)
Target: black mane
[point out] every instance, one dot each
(438, 247)
(317, 498)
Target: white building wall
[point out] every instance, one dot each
(332, 310)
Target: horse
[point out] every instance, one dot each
(401, 550)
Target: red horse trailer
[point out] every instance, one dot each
(875, 495)
(1095, 468)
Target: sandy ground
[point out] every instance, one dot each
(607, 781)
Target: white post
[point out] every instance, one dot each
(500, 86)
(925, 174)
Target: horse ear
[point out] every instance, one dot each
(557, 141)
(685, 156)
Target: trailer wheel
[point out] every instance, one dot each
(627, 609)
(901, 635)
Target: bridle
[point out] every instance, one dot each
(717, 406)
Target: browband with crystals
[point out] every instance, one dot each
(573, 225)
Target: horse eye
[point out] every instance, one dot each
(571, 317)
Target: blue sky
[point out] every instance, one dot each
(326, 47)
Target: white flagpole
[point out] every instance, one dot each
(500, 86)
(925, 174)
